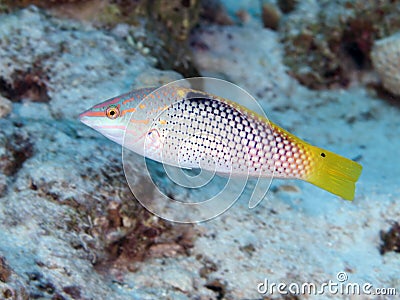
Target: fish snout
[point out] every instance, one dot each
(84, 118)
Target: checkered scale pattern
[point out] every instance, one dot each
(212, 134)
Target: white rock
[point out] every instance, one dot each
(385, 57)
(5, 107)
(179, 279)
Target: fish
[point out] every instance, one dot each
(188, 128)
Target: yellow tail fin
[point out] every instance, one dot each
(334, 173)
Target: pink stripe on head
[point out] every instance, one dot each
(108, 102)
(133, 96)
(93, 114)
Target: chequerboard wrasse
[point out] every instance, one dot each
(192, 129)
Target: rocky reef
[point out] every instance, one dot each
(327, 42)
(70, 227)
(41, 87)
(167, 23)
(391, 239)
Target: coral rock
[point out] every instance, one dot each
(391, 239)
(5, 107)
(327, 42)
(3, 187)
(385, 57)
(12, 285)
(270, 16)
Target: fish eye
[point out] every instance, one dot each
(323, 154)
(112, 112)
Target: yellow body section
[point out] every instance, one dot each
(325, 169)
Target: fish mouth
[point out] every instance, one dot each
(84, 119)
(114, 135)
